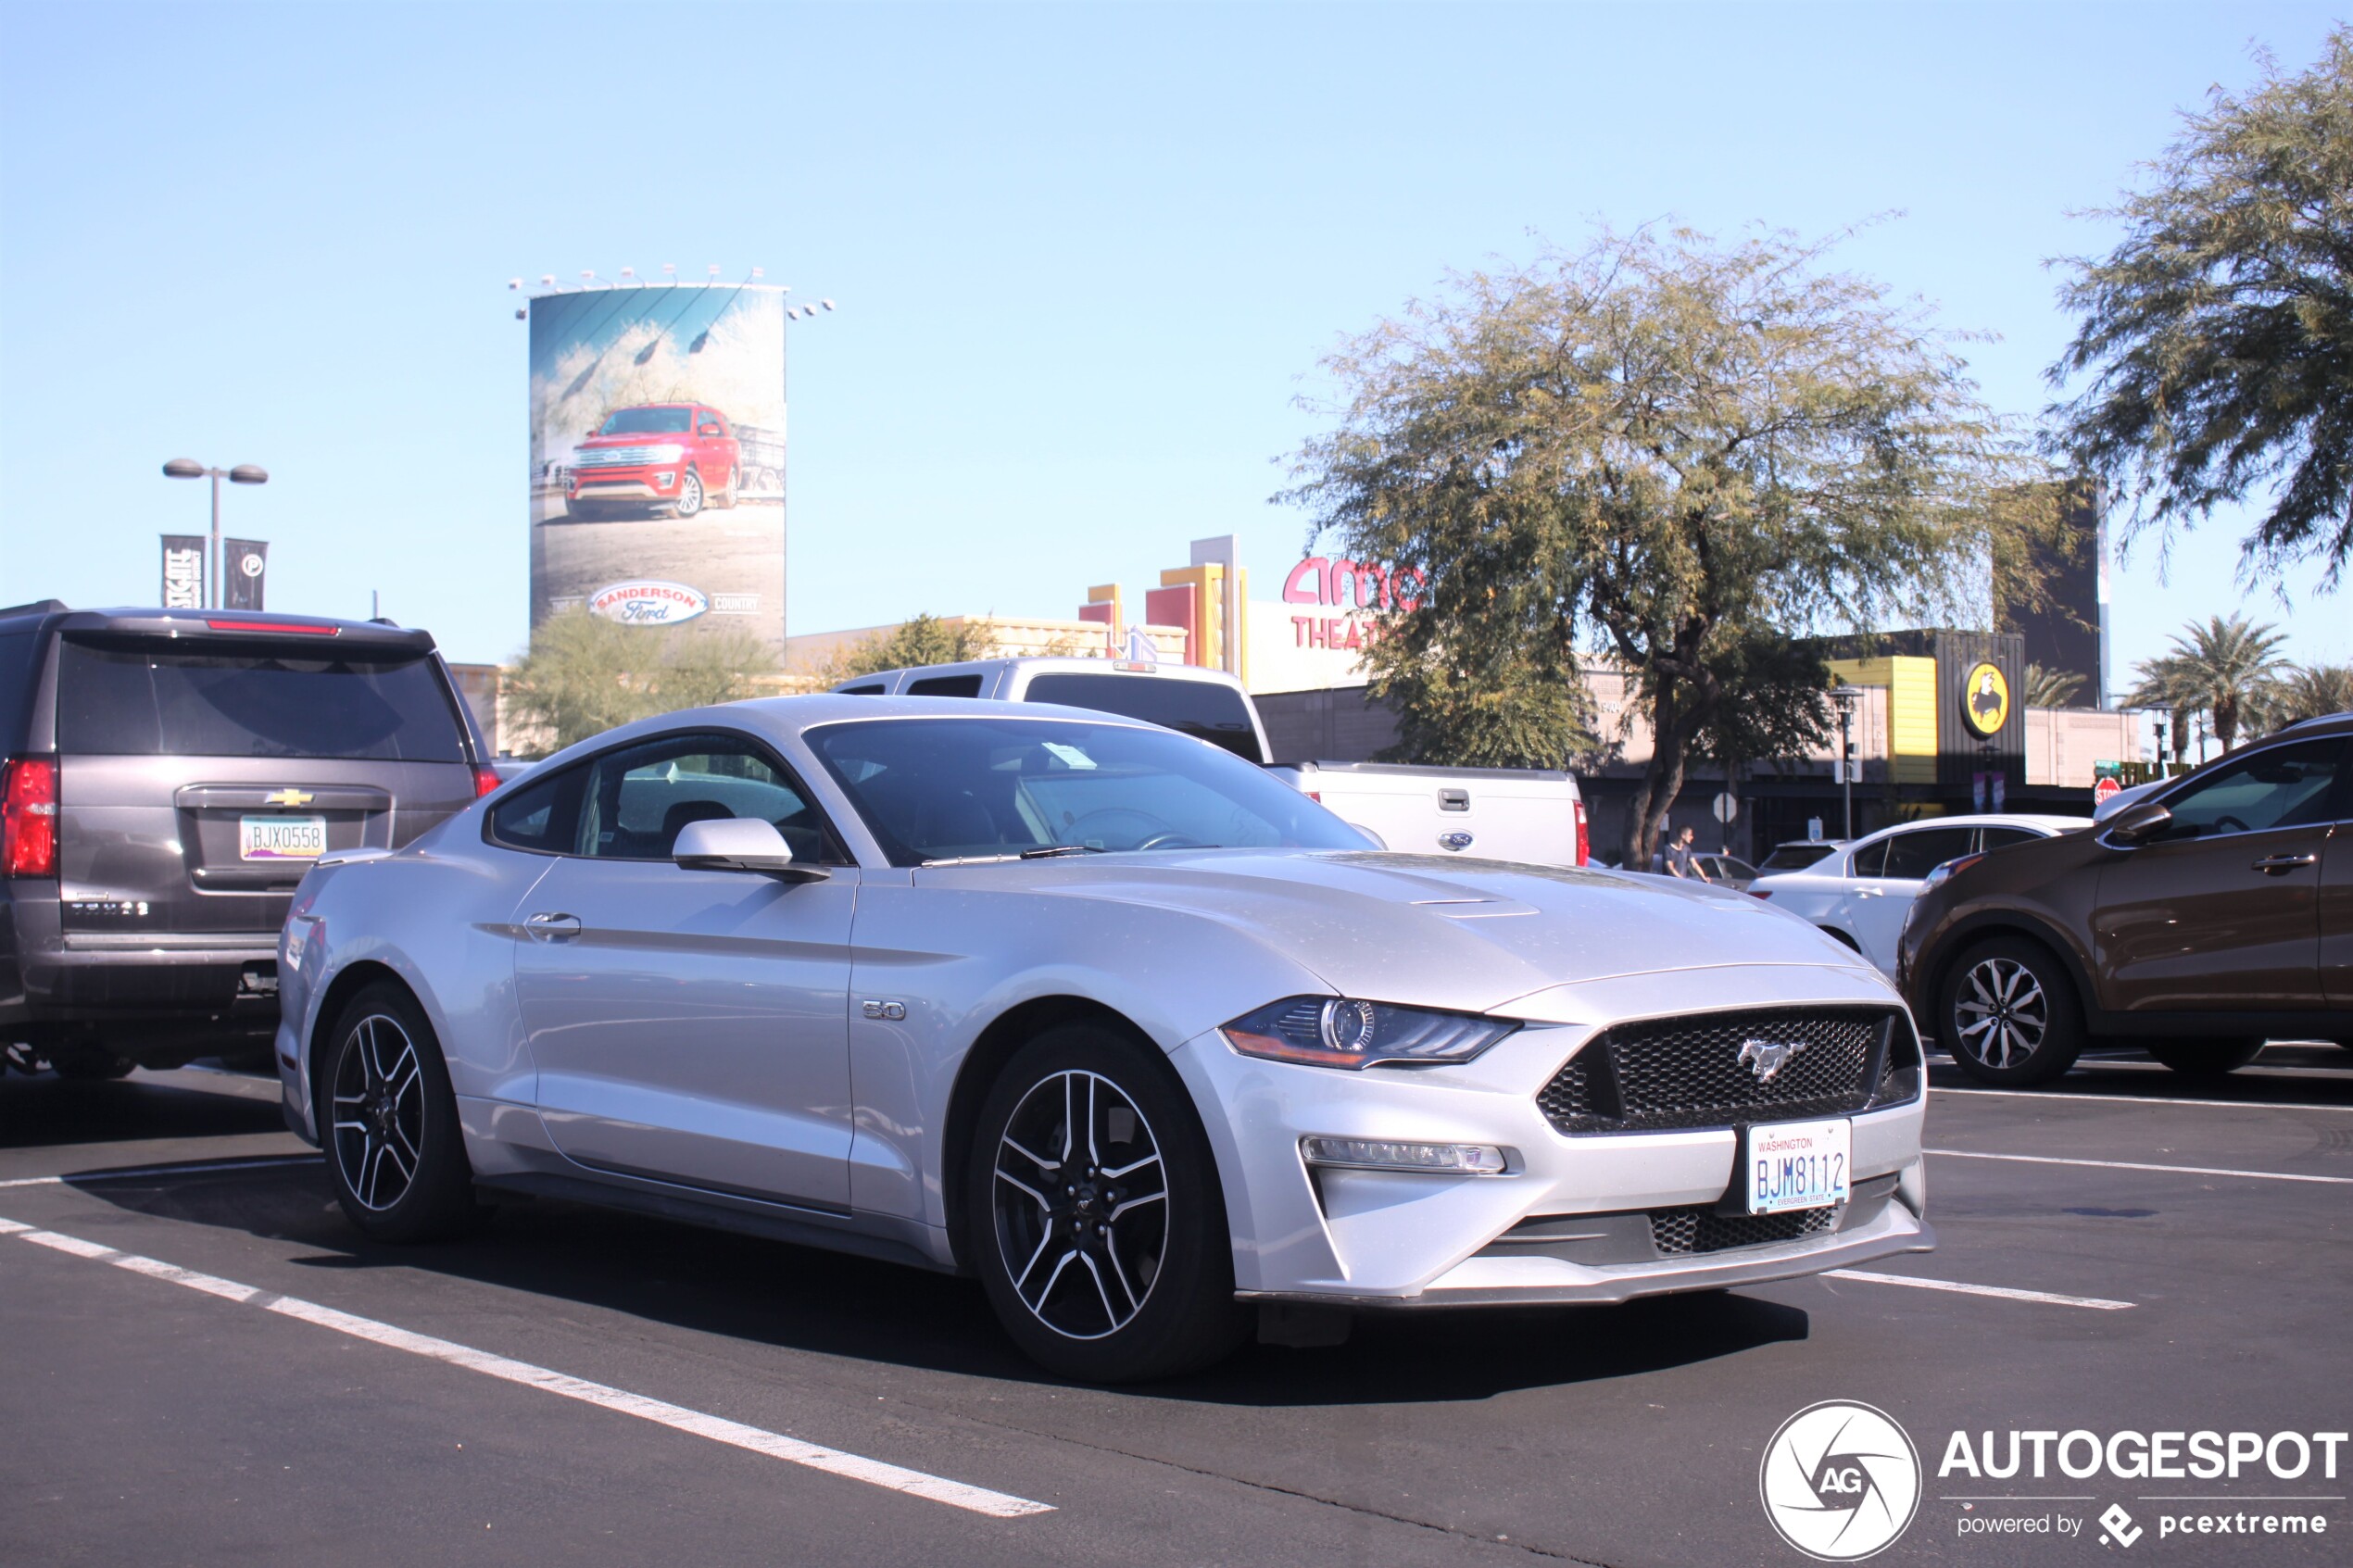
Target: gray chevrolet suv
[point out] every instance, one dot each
(166, 777)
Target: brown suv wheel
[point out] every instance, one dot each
(2008, 1013)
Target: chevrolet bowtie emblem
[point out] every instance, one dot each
(287, 797)
(1765, 1058)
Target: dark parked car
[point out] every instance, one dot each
(2199, 921)
(166, 778)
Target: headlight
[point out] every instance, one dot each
(1337, 1032)
(666, 454)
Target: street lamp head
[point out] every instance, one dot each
(183, 468)
(248, 474)
(1845, 695)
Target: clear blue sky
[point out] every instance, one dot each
(1085, 256)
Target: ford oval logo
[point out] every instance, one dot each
(1455, 840)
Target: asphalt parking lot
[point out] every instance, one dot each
(202, 1363)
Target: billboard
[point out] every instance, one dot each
(658, 456)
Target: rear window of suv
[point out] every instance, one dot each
(133, 699)
(1203, 708)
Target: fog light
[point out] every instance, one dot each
(1382, 1154)
(661, 481)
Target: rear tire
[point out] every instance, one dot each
(2205, 1058)
(1093, 1214)
(388, 1122)
(2008, 1013)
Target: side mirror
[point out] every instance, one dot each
(739, 844)
(1372, 838)
(2136, 825)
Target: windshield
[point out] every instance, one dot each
(945, 789)
(647, 422)
(1210, 709)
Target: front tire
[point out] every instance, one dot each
(2008, 1013)
(1093, 1214)
(389, 1122)
(2205, 1058)
(690, 496)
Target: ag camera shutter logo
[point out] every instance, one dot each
(1840, 1481)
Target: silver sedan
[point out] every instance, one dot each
(1097, 1012)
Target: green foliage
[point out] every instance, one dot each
(585, 674)
(2313, 691)
(2226, 668)
(2051, 688)
(927, 639)
(2220, 330)
(1674, 452)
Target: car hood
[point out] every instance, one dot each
(1472, 934)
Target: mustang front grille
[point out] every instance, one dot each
(1676, 1232)
(1717, 1070)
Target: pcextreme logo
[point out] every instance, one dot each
(1840, 1481)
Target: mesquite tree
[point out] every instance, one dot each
(1675, 454)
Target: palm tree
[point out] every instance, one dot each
(2312, 691)
(2225, 669)
(2051, 688)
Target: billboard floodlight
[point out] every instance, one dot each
(547, 280)
(826, 303)
(514, 282)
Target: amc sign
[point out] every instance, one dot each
(647, 603)
(1351, 587)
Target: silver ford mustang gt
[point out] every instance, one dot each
(1099, 1012)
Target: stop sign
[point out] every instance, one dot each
(2103, 788)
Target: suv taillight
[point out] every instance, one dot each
(486, 779)
(29, 817)
(1584, 840)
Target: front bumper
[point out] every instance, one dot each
(629, 485)
(1393, 1238)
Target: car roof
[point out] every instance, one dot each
(796, 715)
(2051, 821)
(1078, 664)
(239, 623)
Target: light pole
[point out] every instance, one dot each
(244, 473)
(1844, 698)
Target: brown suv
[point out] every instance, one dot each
(166, 777)
(2197, 921)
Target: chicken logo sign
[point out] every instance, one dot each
(1985, 700)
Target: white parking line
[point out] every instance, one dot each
(2136, 1165)
(2003, 1292)
(2061, 1096)
(833, 1462)
(33, 1182)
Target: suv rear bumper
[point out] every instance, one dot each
(53, 987)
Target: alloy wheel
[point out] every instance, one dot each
(379, 1111)
(2001, 1013)
(1081, 1204)
(690, 493)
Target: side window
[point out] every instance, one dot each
(2285, 786)
(637, 799)
(17, 676)
(1871, 859)
(2002, 838)
(1912, 856)
(542, 815)
(945, 685)
(873, 690)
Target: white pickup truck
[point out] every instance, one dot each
(1531, 815)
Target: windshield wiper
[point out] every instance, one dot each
(1047, 851)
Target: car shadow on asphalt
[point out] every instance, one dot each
(805, 1299)
(2287, 1074)
(36, 1112)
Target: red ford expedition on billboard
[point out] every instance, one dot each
(655, 459)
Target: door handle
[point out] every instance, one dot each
(552, 927)
(2273, 865)
(1871, 893)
